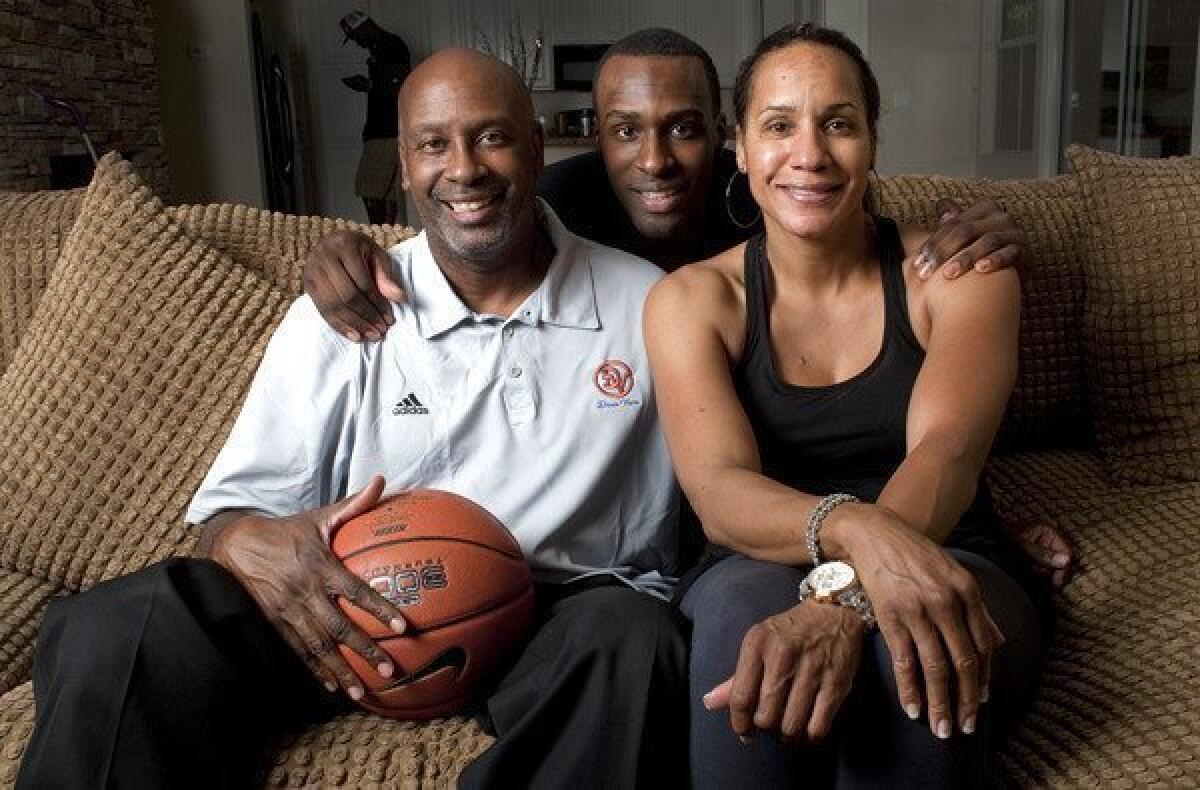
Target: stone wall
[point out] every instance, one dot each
(98, 54)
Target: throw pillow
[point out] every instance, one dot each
(1142, 312)
(123, 388)
(1047, 404)
(33, 226)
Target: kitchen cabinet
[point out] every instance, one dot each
(591, 21)
(468, 23)
(727, 30)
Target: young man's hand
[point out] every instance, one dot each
(287, 567)
(982, 237)
(1048, 549)
(349, 278)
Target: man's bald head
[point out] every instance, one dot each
(471, 153)
(466, 69)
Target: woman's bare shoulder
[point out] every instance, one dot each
(716, 283)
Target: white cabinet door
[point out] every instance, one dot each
(728, 29)
(572, 21)
(407, 20)
(656, 13)
(591, 21)
(610, 20)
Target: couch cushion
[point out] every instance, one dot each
(123, 388)
(363, 750)
(271, 244)
(1047, 405)
(1120, 691)
(22, 601)
(1142, 312)
(32, 229)
(352, 750)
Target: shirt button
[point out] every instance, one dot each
(515, 372)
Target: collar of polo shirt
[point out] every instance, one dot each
(565, 297)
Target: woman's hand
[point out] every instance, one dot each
(793, 673)
(286, 566)
(929, 611)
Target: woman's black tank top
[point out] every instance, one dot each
(849, 436)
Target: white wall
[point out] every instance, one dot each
(925, 54)
(206, 83)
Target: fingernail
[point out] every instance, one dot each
(353, 336)
(943, 729)
(925, 271)
(330, 686)
(707, 700)
(374, 336)
(1060, 560)
(385, 670)
(920, 260)
(947, 216)
(952, 270)
(985, 694)
(397, 625)
(913, 711)
(983, 265)
(969, 725)
(355, 692)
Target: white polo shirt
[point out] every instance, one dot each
(546, 417)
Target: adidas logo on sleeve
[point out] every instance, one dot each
(410, 405)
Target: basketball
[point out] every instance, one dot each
(463, 585)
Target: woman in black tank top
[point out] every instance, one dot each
(824, 409)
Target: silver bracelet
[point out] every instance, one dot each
(823, 509)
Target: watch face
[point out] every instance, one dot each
(831, 577)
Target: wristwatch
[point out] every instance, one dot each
(837, 583)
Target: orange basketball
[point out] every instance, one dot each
(463, 585)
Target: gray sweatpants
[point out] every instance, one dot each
(873, 743)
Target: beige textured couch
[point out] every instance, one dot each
(129, 332)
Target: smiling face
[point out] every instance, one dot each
(804, 142)
(470, 155)
(659, 137)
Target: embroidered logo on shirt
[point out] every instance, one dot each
(613, 378)
(410, 405)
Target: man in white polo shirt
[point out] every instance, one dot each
(516, 376)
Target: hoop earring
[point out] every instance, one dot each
(729, 204)
(872, 201)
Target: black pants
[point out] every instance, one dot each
(172, 678)
(873, 743)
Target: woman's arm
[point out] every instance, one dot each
(929, 608)
(956, 407)
(694, 329)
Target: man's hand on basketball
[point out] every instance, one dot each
(349, 278)
(982, 237)
(286, 566)
(794, 671)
